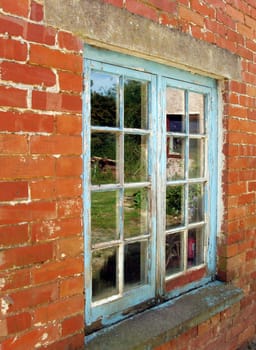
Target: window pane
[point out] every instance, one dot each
(195, 247)
(135, 158)
(175, 158)
(174, 206)
(104, 280)
(196, 113)
(174, 253)
(135, 266)
(195, 205)
(104, 99)
(103, 158)
(135, 212)
(135, 104)
(104, 216)
(175, 110)
(196, 158)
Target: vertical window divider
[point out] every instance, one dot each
(186, 204)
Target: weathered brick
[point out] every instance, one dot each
(70, 82)
(72, 325)
(22, 256)
(13, 144)
(57, 144)
(13, 97)
(13, 49)
(19, 322)
(69, 166)
(14, 235)
(37, 11)
(61, 102)
(71, 286)
(69, 41)
(27, 74)
(69, 124)
(19, 8)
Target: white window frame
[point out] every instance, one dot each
(159, 77)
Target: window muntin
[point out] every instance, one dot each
(163, 211)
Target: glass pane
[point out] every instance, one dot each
(135, 266)
(135, 104)
(175, 110)
(103, 158)
(196, 158)
(135, 158)
(104, 280)
(195, 203)
(175, 158)
(135, 212)
(174, 206)
(104, 99)
(104, 216)
(195, 247)
(174, 253)
(196, 113)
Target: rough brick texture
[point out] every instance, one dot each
(41, 241)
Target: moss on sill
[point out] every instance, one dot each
(165, 322)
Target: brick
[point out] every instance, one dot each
(14, 235)
(13, 144)
(57, 269)
(235, 14)
(56, 228)
(71, 286)
(3, 328)
(70, 247)
(69, 166)
(56, 144)
(191, 16)
(33, 339)
(72, 325)
(29, 298)
(18, 323)
(59, 310)
(11, 214)
(22, 256)
(55, 59)
(11, 25)
(74, 342)
(69, 42)
(10, 191)
(40, 34)
(189, 277)
(70, 207)
(13, 49)
(21, 167)
(27, 121)
(117, 3)
(10, 280)
(70, 82)
(55, 188)
(164, 5)
(204, 10)
(19, 8)
(61, 102)
(70, 125)
(13, 97)
(141, 9)
(27, 74)
(37, 11)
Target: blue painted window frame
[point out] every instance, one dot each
(160, 76)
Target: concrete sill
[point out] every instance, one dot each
(165, 322)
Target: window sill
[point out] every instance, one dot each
(165, 322)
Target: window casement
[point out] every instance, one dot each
(150, 184)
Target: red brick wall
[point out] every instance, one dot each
(41, 257)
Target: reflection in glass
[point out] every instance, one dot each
(196, 113)
(174, 253)
(135, 212)
(195, 202)
(135, 104)
(104, 99)
(174, 206)
(175, 110)
(103, 216)
(196, 158)
(135, 158)
(175, 164)
(103, 158)
(104, 270)
(135, 269)
(195, 247)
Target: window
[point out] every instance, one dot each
(150, 184)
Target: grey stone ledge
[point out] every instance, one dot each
(165, 322)
(109, 27)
